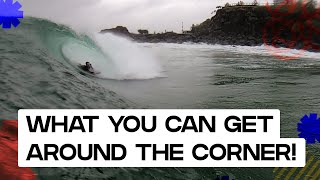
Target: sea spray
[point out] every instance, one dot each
(129, 60)
(114, 57)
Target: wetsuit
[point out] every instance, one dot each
(88, 69)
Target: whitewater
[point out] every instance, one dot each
(39, 69)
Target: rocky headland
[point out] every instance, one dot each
(282, 26)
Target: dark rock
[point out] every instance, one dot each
(168, 37)
(119, 30)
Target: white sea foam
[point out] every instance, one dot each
(114, 57)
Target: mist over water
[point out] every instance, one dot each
(130, 61)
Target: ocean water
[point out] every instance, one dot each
(39, 69)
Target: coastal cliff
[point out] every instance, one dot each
(251, 25)
(234, 26)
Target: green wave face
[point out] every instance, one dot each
(36, 72)
(112, 56)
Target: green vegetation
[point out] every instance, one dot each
(241, 3)
(287, 5)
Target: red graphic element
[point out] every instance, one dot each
(9, 169)
(296, 20)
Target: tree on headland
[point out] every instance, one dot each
(192, 27)
(240, 3)
(227, 5)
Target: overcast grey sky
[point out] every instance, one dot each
(154, 15)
